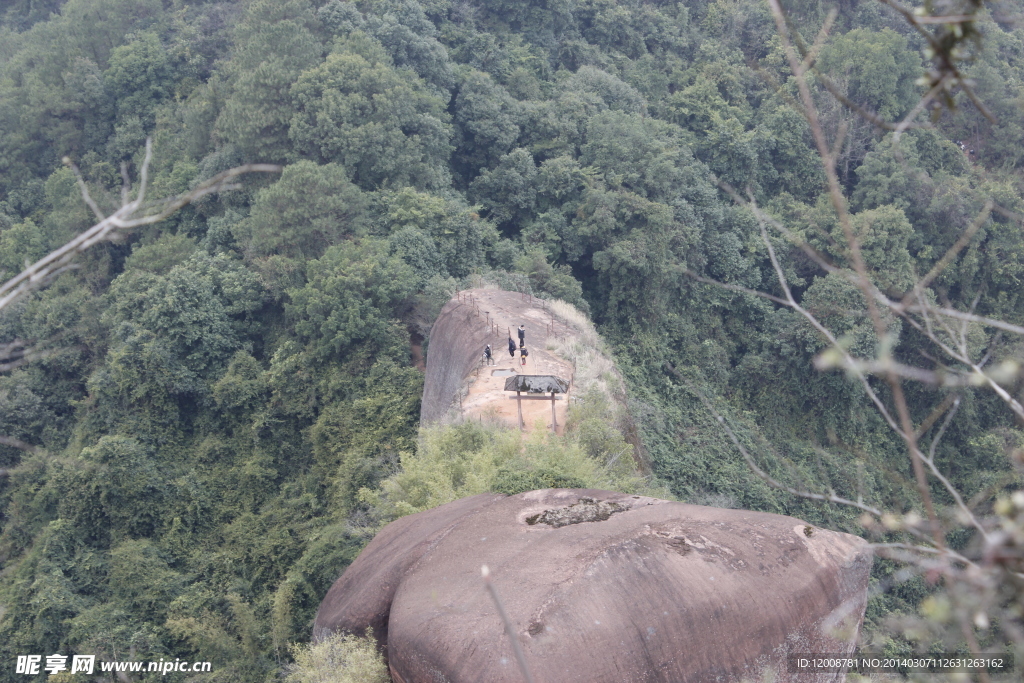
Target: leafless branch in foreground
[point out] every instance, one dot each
(510, 630)
(974, 586)
(17, 443)
(132, 214)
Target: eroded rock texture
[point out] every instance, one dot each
(602, 586)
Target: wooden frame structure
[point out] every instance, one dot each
(536, 384)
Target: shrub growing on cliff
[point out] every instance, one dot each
(339, 658)
(455, 461)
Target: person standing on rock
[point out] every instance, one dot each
(522, 336)
(511, 347)
(487, 354)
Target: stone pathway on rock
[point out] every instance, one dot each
(485, 396)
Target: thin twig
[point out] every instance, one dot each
(888, 366)
(509, 629)
(126, 183)
(833, 342)
(946, 19)
(825, 332)
(930, 461)
(86, 197)
(908, 120)
(800, 243)
(25, 357)
(927, 550)
(866, 114)
(832, 498)
(970, 317)
(923, 428)
(897, 307)
(951, 253)
(811, 55)
(144, 172)
(38, 274)
(17, 443)
(980, 375)
(906, 428)
(734, 288)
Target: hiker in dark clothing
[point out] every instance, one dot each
(523, 353)
(522, 336)
(511, 347)
(487, 354)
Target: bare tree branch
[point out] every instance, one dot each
(827, 361)
(735, 288)
(951, 253)
(970, 317)
(886, 366)
(831, 498)
(510, 630)
(17, 353)
(873, 118)
(125, 218)
(930, 461)
(946, 71)
(86, 197)
(836, 346)
(811, 55)
(941, 324)
(17, 443)
(979, 376)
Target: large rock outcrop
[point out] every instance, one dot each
(467, 323)
(602, 586)
(457, 339)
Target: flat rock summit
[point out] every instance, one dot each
(465, 325)
(601, 587)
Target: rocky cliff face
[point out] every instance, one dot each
(457, 338)
(454, 358)
(602, 586)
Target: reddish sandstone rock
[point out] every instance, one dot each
(602, 586)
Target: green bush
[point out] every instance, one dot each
(339, 658)
(455, 461)
(510, 480)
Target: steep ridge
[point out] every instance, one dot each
(600, 586)
(459, 386)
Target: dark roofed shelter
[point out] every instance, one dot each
(536, 384)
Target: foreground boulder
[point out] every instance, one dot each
(602, 586)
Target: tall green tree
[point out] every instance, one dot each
(310, 208)
(380, 122)
(351, 297)
(274, 43)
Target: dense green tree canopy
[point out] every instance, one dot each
(309, 209)
(221, 402)
(378, 121)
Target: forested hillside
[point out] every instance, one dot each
(196, 451)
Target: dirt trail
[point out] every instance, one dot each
(455, 358)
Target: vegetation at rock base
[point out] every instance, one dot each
(455, 461)
(217, 409)
(339, 658)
